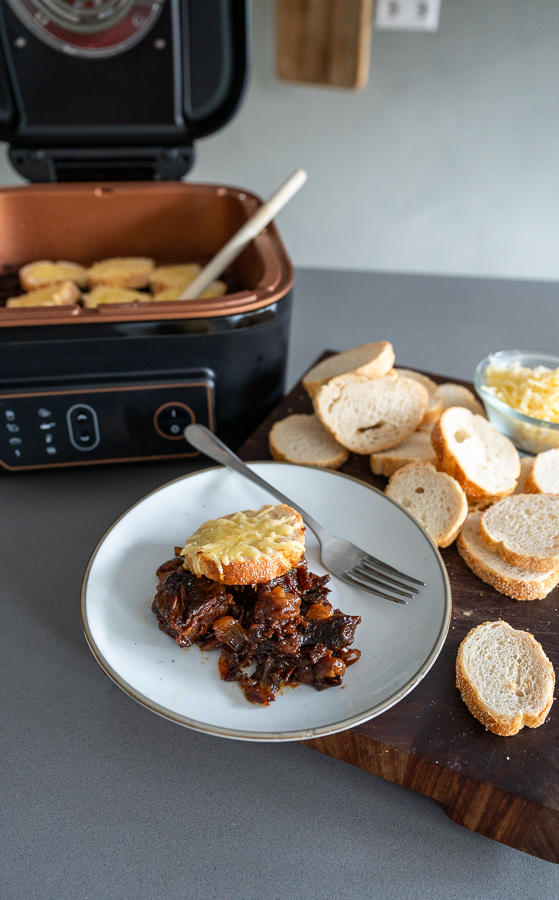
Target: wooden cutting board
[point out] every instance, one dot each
(324, 41)
(504, 788)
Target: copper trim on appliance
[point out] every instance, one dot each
(171, 437)
(172, 222)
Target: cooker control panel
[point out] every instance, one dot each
(121, 422)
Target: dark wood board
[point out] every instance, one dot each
(504, 788)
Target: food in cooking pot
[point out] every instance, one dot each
(505, 678)
(215, 289)
(124, 272)
(66, 293)
(44, 273)
(165, 277)
(105, 294)
(533, 392)
(241, 586)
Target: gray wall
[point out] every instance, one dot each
(447, 163)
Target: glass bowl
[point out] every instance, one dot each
(527, 434)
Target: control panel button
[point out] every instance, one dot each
(171, 419)
(83, 427)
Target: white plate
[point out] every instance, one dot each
(399, 643)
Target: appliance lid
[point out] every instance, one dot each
(117, 89)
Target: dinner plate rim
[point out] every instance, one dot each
(272, 736)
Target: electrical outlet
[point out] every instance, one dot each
(407, 15)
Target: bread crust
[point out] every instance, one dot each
(253, 571)
(381, 363)
(479, 709)
(525, 561)
(435, 403)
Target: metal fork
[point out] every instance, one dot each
(340, 557)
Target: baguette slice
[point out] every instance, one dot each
(481, 459)
(215, 289)
(505, 678)
(515, 582)
(122, 272)
(249, 547)
(303, 439)
(65, 293)
(43, 273)
(435, 404)
(164, 277)
(367, 360)
(415, 448)
(458, 395)
(370, 414)
(524, 529)
(433, 498)
(104, 294)
(544, 474)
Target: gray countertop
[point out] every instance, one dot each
(103, 799)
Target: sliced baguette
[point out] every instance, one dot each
(370, 414)
(515, 582)
(415, 448)
(164, 277)
(505, 678)
(64, 293)
(215, 289)
(458, 395)
(104, 294)
(303, 439)
(435, 403)
(524, 529)
(433, 498)
(44, 273)
(121, 272)
(367, 360)
(544, 474)
(481, 459)
(249, 547)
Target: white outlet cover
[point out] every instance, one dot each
(407, 15)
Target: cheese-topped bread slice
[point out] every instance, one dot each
(43, 273)
(105, 294)
(248, 547)
(505, 678)
(122, 271)
(65, 293)
(367, 360)
(481, 459)
(215, 289)
(164, 277)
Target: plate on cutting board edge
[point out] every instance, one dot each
(399, 643)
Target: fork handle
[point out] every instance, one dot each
(205, 441)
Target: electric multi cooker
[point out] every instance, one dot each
(101, 102)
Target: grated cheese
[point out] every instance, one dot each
(251, 534)
(533, 392)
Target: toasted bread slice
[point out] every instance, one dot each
(481, 459)
(458, 395)
(544, 474)
(415, 448)
(165, 277)
(435, 403)
(367, 360)
(303, 439)
(215, 289)
(505, 678)
(433, 498)
(104, 294)
(65, 293)
(526, 463)
(524, 529)
(43, 273)
(249, 547)
(370, 414)
(514, 581)
(122, 272)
